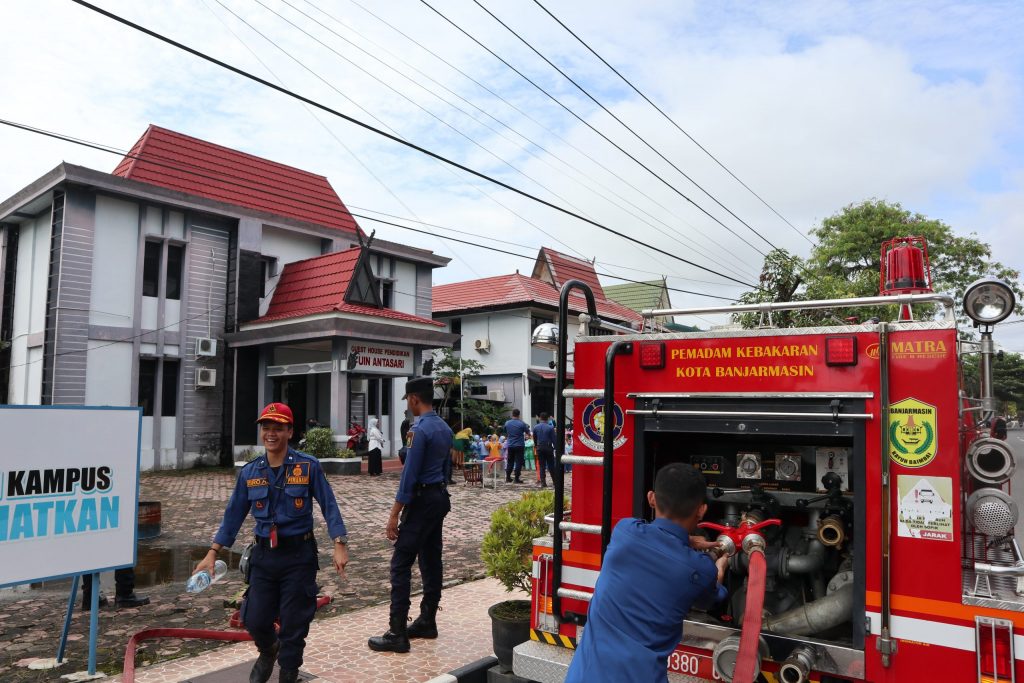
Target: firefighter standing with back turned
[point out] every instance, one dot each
(278, 489)
(420, 505)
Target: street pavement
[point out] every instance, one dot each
(192, 504)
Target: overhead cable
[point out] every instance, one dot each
(623, 123)
(394, 138)
(672, 121)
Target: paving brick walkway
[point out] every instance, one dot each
(336, 650)
(193, 502)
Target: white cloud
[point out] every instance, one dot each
(814, 105)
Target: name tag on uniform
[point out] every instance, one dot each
(298, 473)
(260, 481)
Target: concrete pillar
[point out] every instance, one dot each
(339, 387)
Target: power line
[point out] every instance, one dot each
(176, 166)
(393, 138)
(328, 130)
(590, 126)
(623, 123)
(147, 159)
(602, 195)
(672, 121)
(582, 152)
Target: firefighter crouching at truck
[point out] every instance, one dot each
(652, 574)
(278, 489)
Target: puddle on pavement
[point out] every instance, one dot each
(158, 565)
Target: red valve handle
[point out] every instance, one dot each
(738, 533)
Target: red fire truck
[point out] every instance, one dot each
(868, 514)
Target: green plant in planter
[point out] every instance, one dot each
(507, 549)
(346, 453)
(320, 443)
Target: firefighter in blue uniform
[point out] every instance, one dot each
(416, 520)
(278, 489)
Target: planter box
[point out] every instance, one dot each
(348, 466)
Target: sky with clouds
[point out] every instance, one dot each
(813, 104)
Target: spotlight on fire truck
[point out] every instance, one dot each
(545, 336)
(988, 301)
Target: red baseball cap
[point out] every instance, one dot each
(278, 412)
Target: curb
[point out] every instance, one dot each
(476, 672)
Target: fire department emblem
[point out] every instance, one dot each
(300, 503)
(594, 426)
(913, 441)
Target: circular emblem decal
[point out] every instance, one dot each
(594, 425)
(872, 351)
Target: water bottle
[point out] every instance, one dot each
(200, 581)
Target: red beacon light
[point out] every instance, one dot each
(905, 269)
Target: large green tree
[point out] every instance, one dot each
(845, 260)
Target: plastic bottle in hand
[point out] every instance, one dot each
(200, 581)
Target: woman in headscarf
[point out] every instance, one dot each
(376, 443)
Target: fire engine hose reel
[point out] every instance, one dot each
(990, 461)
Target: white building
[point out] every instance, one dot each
(495, 318)
(175, 284)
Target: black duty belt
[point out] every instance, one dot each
(425, 487)
(285, 541)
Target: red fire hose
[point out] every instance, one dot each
(186, 633)
(747, 657)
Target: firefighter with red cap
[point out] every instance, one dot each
(279, 488)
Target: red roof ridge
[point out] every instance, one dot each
(125, 166)
(193, 166)
(278, 164)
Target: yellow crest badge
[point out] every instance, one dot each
(913, 434)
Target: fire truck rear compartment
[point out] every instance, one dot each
(761, 461)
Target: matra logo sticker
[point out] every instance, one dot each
(913, 438)
(594, 426)
(911, 350)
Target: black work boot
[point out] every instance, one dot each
(395, 640)
(132, 600)
(264, 665)
(288, 676)
(425, 625)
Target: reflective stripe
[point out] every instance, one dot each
(578, 576)
(936, 633)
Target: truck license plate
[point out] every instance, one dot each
(690, 664)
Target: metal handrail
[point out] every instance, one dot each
(770, 306)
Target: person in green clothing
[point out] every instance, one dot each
(528, 452)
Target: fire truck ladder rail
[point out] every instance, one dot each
(571, 594)
(583, 393)
(752, 394)
(752, 414)
(768, 307)
(580, 527)
(583, 460)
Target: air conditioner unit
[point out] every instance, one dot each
(206, 377)
(206, 347)
(482, 345)
(496, 395)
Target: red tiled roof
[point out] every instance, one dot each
(503, 291)
(186, 164)
(318, 285)
(564, 268)
(550, 374)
